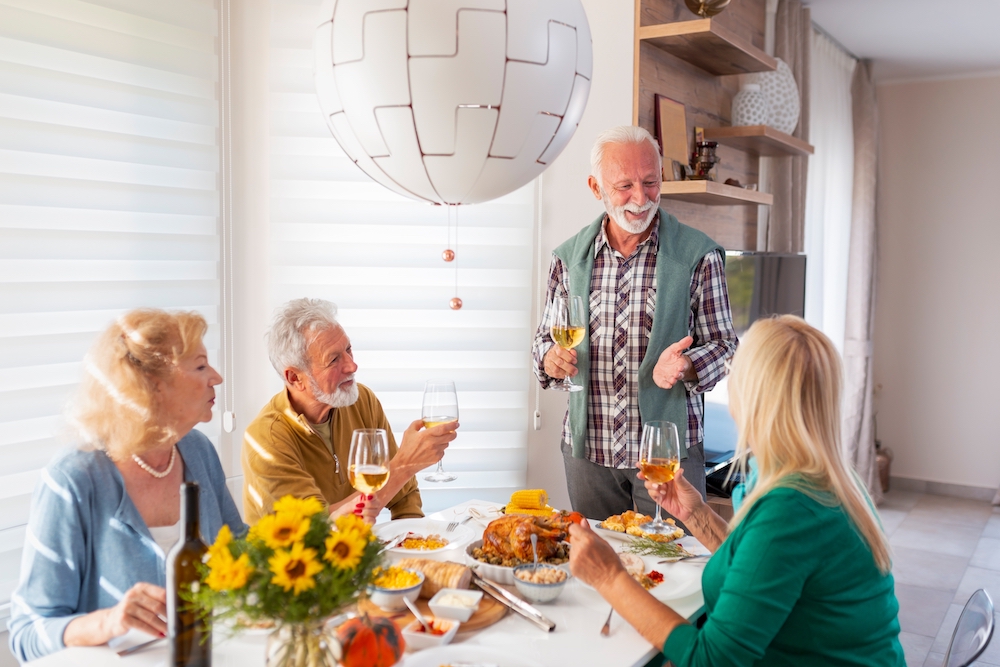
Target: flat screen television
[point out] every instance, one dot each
(760, 284)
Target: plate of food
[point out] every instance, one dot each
(421, 536)
(629, 525)
(506, 544)
(464, 654)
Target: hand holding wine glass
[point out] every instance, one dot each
(659, 460)
(568, 322)
(368, 460)
(440, 406)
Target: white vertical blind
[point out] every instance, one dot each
(108, 201)
(338, 235)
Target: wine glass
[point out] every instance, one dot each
(368, 460)
(440, 407)
(567, 331)
(659, 459)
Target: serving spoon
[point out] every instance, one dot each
(534, 548)
(419, 616)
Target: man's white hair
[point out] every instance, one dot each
(623, 134)
(294, 326)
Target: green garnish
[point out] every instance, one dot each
(644, 546)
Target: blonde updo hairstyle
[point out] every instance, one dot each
(116, 408)
(784, 395)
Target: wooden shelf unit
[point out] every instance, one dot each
(713, 193)
(759, 140)
(706, 44)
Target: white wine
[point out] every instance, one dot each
(659, 471)
(189, 635)
(368, 478)
(567, 337)
(431, 422)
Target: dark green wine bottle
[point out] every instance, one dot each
(190, 638)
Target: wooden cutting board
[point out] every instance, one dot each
(490, 611)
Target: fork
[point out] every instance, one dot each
(456, 523)
(606, 630)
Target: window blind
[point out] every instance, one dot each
(338, 235)
(108, 201)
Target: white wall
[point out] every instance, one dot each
(567, 205)
(937, 361)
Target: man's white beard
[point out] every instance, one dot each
(617, 214)
(338, 399)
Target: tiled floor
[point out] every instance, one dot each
(943, 549)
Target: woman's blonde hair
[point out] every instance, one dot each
(116, 408)
(784, 395)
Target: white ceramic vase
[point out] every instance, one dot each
(749, 106)
(782, 95)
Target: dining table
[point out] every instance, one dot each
(579, 614)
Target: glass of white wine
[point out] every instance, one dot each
(368, 460)
(659, 459)
(568, 321)
(440, 407)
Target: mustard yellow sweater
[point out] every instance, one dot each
(282, 455)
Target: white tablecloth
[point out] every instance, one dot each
(578, 613)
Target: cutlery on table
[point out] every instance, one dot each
(395, 541)
(700, 558)
(139, 647)
(420, 617)
(606, 630)
(456, 523)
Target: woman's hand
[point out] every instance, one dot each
(362, 505)
(143, 607)
(677, 496)
(592, 560)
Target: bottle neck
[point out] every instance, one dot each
(189, 511)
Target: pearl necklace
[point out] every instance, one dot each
(153, 471)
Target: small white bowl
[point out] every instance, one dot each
(417, 639)
(539, 592)
(457, 612)
(391, 599)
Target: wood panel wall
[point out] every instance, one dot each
(707, 99)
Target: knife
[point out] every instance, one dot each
(512, 602)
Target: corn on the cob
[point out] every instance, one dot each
(532, 511)
(532, 499)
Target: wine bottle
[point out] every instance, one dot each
(190, 637)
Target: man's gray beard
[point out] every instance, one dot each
(617, 214)
(338, 399)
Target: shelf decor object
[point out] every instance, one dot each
(445, 105)
(708, 45)
(782, 95)
(706, 8)
(749, 106)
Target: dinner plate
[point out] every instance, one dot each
(613, 534)
(424, 527)
(469, 654)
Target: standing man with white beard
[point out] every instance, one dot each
(299, 443)
(659, 335)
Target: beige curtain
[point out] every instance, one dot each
(859, 426)
(787, 175)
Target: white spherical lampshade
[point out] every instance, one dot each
(453, 101)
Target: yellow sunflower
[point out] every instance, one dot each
(221, 546)
(281, 530)
(347, 523)
(295, 568)
(303, 507)
(345, 548)
(227, 573)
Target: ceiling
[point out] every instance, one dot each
(916, 38)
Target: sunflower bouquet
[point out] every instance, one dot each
(295, 566)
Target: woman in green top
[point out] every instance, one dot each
(801, 574)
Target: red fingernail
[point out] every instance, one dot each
(162, 635)
(371, 497)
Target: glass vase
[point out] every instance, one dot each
(301, 645)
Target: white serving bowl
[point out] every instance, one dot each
(417, 639)
(391, 599)
(497, 573)
(457, 612)
(539, 592)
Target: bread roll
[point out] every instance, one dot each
(438, 575)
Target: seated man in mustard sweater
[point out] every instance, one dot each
(298, 444)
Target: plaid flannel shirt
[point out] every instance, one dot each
(623, 299)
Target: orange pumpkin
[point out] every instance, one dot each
(370, 642)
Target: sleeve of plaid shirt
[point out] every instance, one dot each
(712, 324)
(543, 337)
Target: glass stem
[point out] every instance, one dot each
(440, 467)
(657, 521)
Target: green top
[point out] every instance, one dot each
(793, 584)
(680, 249)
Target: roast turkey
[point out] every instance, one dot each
(510, 536)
